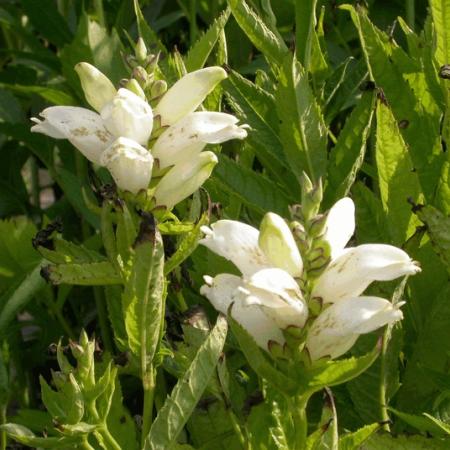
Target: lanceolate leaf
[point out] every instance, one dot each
(302, 129)
(440, 10)
(187, 392)
(305, 21)
(198, 54)
(262, 37)
(149, 36)
(353, 441)
(144, 293)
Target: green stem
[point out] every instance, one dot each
(147, 411)
(98, 4)
(383, 381)
(193, 30)
(3, 437)
(85, 444)
(35, 190)
(300, 421)
(410, 14)
(64, 324)
(237, 429)
(103, 319)
(108, 439)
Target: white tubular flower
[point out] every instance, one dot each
(340, 225)
(82, 127)
(128, 115)
(188, 136)
(129, 163)
(278, 244)
(351, 273)
(225, 289)
(97, 87)
(186, 95)
(237, 242)
(184, 179)
(337, 328)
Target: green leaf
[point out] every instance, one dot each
(88, 274)
(440, 10)
(23, 435)
(66, 252)
(18, 296)
(388, 442)
(187, 245)
(179, 406)
(347, 155)
(54, 96)
(258, 361)
(199, 52)
(145, 32)
(143, 297)
(353, 441)
(262, 37)
(421, 423)
(47, 20)
(252, 188)
(302, 129)
(305, 22)
(397, 180)
(333, 373)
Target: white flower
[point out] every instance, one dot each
(184, 179)
(188, 93)
(129, 163)
(337, 328)
(271, 290)
(125, 115)
(189, 136)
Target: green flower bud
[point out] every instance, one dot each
(140, 50)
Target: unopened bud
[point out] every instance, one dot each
(316, 227)
(133, 86)
(140, 75)
(140, 50)
(159, 87)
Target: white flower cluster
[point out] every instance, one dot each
(267, 298)
(117, 135)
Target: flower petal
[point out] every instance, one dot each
(222, 290)
(337, 328)
(279, 295)
(184, 179)
(82, 127)
(351, 273)
(340, 225)
(129, 163)
(277, 242)
(128, 115)
(97, 87)
(189, 136)
(186, 95)
(237, 242)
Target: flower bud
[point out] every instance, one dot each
(133, 86)
(129, 164)
(140, 50)
(97, 88)
(188, 93)
(278, 244)
(129, 116)
(158, 88)
(184, 179)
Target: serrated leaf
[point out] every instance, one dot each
(302, 129)
(88, 274)
(421, 423)
(388, 442)
(187, 392)
(252, 188)
(397, 180)
(347, 155)
(199, 52)
(353, 441)
(144, 293)
(258, 361)
(145, 32)
(305, 22)
(262, 37)
(440, 10)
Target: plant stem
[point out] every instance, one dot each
(3, 436)
(34, 171)
(108, 439)
(383, 381)
(147, 411)
(300, 420)
(237, 429)
(86, 444)
(103, 319)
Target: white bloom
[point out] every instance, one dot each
(225, 289)
(351, 273)
(97, 87)
(189, 136)
(82, 127)
(337, 328)
(184, 179)
(277, 242)
(187, 94)
(129, 163)
(128, 115)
